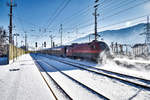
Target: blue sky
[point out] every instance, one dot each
(34, 16)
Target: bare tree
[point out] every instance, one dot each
(3, 41)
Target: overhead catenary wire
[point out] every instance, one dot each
(59, 12)
(122, 22)
(89, 7)
(81, 12)
(112, 15)
(55, 12)
(105, 17)
(90, 31)
(124, 10)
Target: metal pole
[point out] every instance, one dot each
(61, 33)
(25, 41)
(89, 38)
(13, 49)
(50, 38)
(95, 23)
(95, 15)
(10, 24)
(16, 45)
(11, 5)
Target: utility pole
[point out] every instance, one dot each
(42, 45)
(148, 32)
(21, 43)
(25, 41)
(148, 35)
(61, 33)
(95, 15)
(11, 5)
(51, 37)
(36, 45)
(13, 48)
(21, 47)
(16, 39)
(16, 43)
(89, 37)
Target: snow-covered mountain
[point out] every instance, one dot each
(129, 35)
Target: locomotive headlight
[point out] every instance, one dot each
(67, 50)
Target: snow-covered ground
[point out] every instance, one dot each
(76, 91)
(21, 80)
(113, 89)
(137, 66)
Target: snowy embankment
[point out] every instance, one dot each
(21, 80)
(101, 84)
(134, 67)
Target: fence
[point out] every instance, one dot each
(15, 52)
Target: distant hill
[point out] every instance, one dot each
(129, 35)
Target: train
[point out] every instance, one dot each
(90, 50)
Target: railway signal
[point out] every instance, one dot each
(36, 44)
(45, 44)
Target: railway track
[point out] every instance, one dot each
(74, 80)
(106, 73)
(112, 72)
(62, 91)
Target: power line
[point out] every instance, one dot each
(124, 21)
(121, 4)
(132, 19)
(118, 27)
(80, 12)
(26, 21)
(121, 11)
(124, 10)
(58, 13)
(55, 12)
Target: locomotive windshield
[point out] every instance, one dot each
(103, 46)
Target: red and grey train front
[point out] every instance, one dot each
(87, 50)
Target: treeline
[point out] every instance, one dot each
(3, 42)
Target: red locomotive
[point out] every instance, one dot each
(85, 50)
